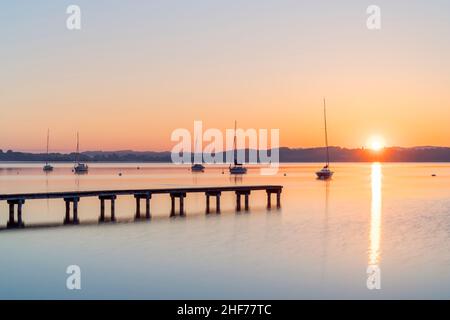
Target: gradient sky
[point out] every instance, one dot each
(140, 69)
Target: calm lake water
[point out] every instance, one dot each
(318, 245)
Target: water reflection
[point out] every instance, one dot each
(325, 230)
(312, 248)
(236, 179)
(375, 219)
(195, 178)
(47, 190)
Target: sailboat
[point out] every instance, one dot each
(47, 167)
(325, 173)
(197, 167)
(237, 168)
(79, 167)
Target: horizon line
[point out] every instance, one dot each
(167, 151)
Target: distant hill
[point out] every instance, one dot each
(338, 154)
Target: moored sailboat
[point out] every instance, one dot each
(47, 167)
(197, 167)
(237, 168)
(325, 173)
(79, 167)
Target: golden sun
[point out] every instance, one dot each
(375, 143)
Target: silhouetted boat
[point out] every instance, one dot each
(237, 168)
(197, 167)
(47, 167)
(325, 173)
(79, 167)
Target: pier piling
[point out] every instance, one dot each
(216, 194)
(103, 198)
(180, 196)
(246, 194)
(269, 192)
(12, 223)
(139, 197)
(74, 201)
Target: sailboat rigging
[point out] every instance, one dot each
(79, 167)
(197, 167)
(47, 167)
(325, 173)
(237, 168)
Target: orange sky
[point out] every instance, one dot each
(129, 85)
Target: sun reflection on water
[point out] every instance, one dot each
(375, 219)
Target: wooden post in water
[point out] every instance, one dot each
(279, 199)
(74, 201)
(147, 206)
(19, 213)
(172, 210)
(67, 217)
(181, 205)
(269, 192)
(246, 194)
(238, 201)
(218, 202)
(246, 201)
(113, 208)
(112, 198)
(212, 194)
(102, 210)
(139, 197)
(12, 223)
(12, 220)
(181, 196)
(138, 207)
(75, 211)
(207, 203)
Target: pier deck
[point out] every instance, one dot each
(72, 198)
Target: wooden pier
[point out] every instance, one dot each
(72, 199)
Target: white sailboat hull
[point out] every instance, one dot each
(324, 174)
(81, 168)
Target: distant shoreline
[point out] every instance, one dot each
(286, 155)
(217, 164)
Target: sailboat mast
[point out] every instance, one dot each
(234, 143)
(48, 141)
(326, 131)
(78, 147)
(195, 150)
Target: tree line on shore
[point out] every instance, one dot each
(337, 154)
